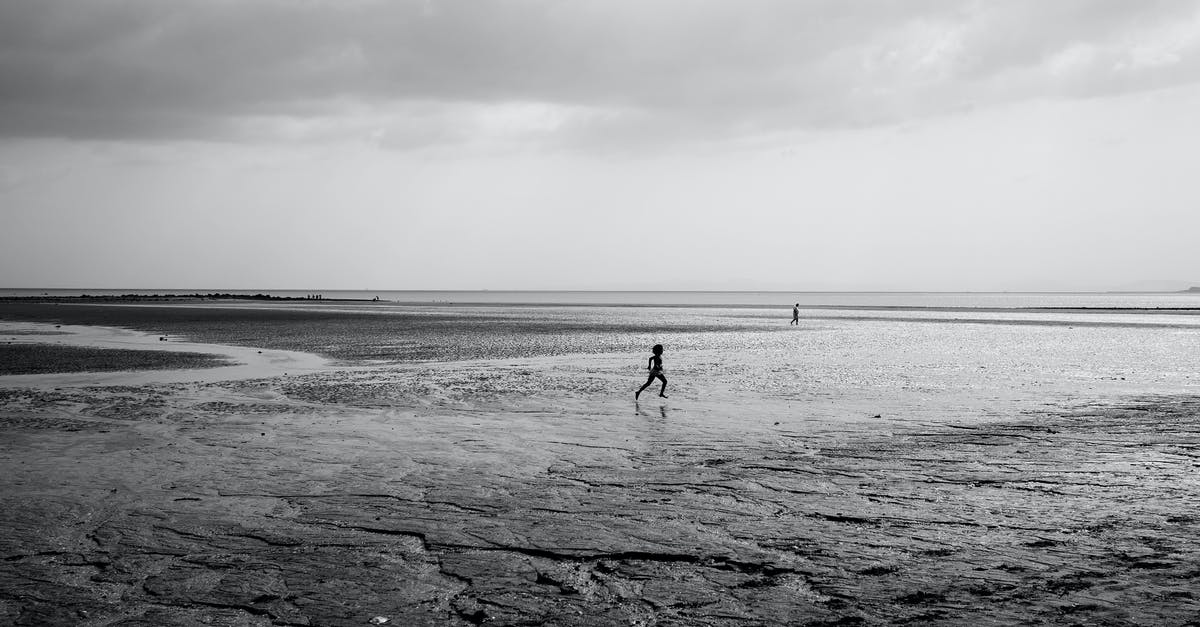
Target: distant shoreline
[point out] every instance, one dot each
(178, 297)
(183, 299)
(949, 301)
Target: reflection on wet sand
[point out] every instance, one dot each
(661, 413)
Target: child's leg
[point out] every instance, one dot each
(662, 392)
(645, 385)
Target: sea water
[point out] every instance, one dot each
(852, 357)
(747, 364)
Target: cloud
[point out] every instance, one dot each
(589, 73)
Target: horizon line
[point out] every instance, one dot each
(145, 291)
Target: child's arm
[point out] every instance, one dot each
(650, 364)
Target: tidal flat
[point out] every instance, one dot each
(842, 473)
(48, 358)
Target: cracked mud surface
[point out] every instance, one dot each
(323, 501)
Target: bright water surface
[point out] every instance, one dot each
(908, 357)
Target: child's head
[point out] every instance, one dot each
(657, 349)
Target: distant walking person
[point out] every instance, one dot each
(796, 314)
(654, 365)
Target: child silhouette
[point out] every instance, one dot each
(654, 365)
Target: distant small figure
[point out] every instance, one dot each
(654, 365)
(796, 314)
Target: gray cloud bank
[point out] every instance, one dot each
(421, 73)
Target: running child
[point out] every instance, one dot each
(654, 365)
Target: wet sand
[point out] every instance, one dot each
(45, 358)
(294, 490)
(316, 500)
(43, 355)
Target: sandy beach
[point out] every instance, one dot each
(502, 488)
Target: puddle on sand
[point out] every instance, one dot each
(250, 363)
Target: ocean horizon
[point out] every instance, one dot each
(689, 298)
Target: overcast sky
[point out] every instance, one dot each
(685, 144)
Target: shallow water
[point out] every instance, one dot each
(838, 364)
(245, 362)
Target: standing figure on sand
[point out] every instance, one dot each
(656, 372)
(796, 314)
